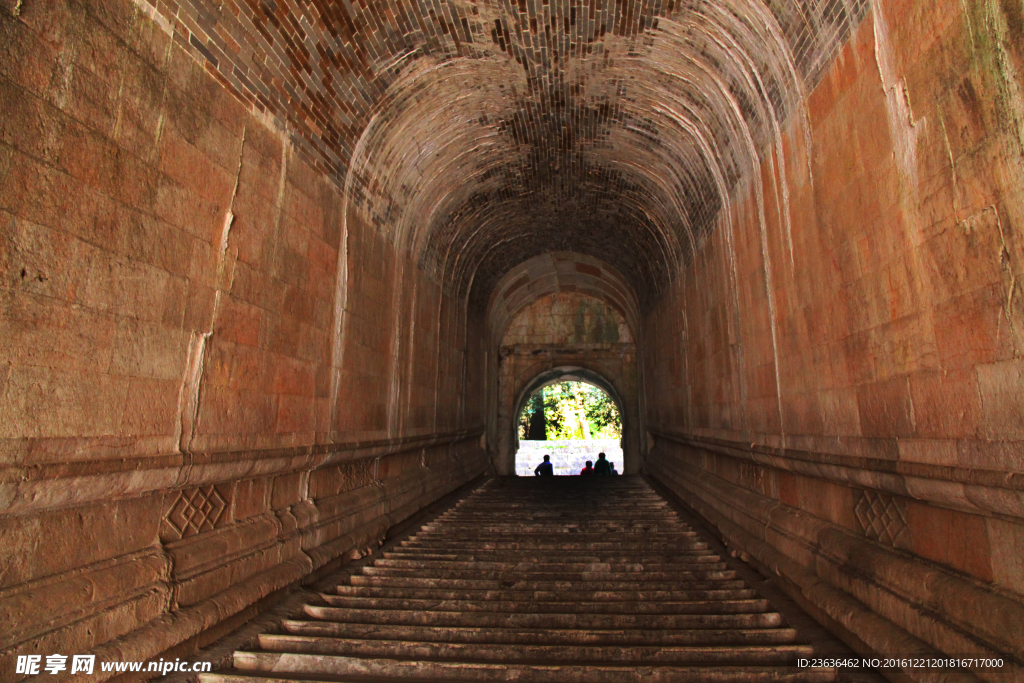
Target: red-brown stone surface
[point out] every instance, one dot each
(858, 312)
(259, 261)
(210, 386)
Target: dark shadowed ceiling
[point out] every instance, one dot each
(480, 134)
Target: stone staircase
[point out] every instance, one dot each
(539, 580)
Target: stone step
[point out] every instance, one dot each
(476, 531)
(606, 637)
(567, 544)
(750, 606)
(578, 513)
(738, 593)
(471, 531)
(544, 620)
(568, 556)
(564, 502)
(548, 508)
(609, 491)
(574, 500)
(547, 654)
(630, 517)
(531, 493)
(533, 585)
(539, 582)
(530, 525)
(481, 672)
(633, 514)
(705, 574)
(698, 562)
(572, 505)
(623, 538)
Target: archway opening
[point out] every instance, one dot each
(571, 421)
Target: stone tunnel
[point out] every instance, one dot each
(278, 275)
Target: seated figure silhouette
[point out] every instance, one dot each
(602, 466)
(614, 471)
(545, 469)
(589, 469)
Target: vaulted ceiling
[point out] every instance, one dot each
(478, 135)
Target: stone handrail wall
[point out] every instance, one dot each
(874, 584)
(215, 381)
(185, 563)
(836, 384)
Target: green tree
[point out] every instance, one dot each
(574, 410)
(532, 423)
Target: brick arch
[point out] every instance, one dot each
(519, 365)
(560, 272)
(607, 371)
(521, 286)
(614, 386)
(488, 134)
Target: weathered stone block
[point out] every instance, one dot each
(154, 351)
(953, 538)
(947, 404)
(43, 402)
(970, 332)
(151, 407)
(886, 408)
(1006, 539)
(1002, 399)
(30, 56)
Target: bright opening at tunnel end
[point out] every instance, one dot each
(572, 423)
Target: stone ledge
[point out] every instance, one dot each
(80, 593)
(986, 492)
(26, 489)
(260, 556)
(896, 592)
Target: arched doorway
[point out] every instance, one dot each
(553, 316)
(580, 416)
(549, 371)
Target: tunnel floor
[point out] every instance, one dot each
(540, 580)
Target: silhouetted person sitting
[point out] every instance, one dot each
(602, 466)
(544, 469)
(613, 469)
(589, 469)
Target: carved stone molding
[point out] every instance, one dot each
(857, 581)
(986, 492)
(193, 512)
(33, 489)
(882, 518)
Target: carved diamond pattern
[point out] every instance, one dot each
(882, 517)
(196, 511)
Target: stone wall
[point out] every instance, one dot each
(565, 336)
(568, 457)
(246, 249)
(210, 384)
(483, 134)
(848, 406)
(567, 318)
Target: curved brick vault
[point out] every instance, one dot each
(559, 272)
(480, 134)
(275, 274)
(548, 317)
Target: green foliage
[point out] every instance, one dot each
(574, 410)
(533, 415)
